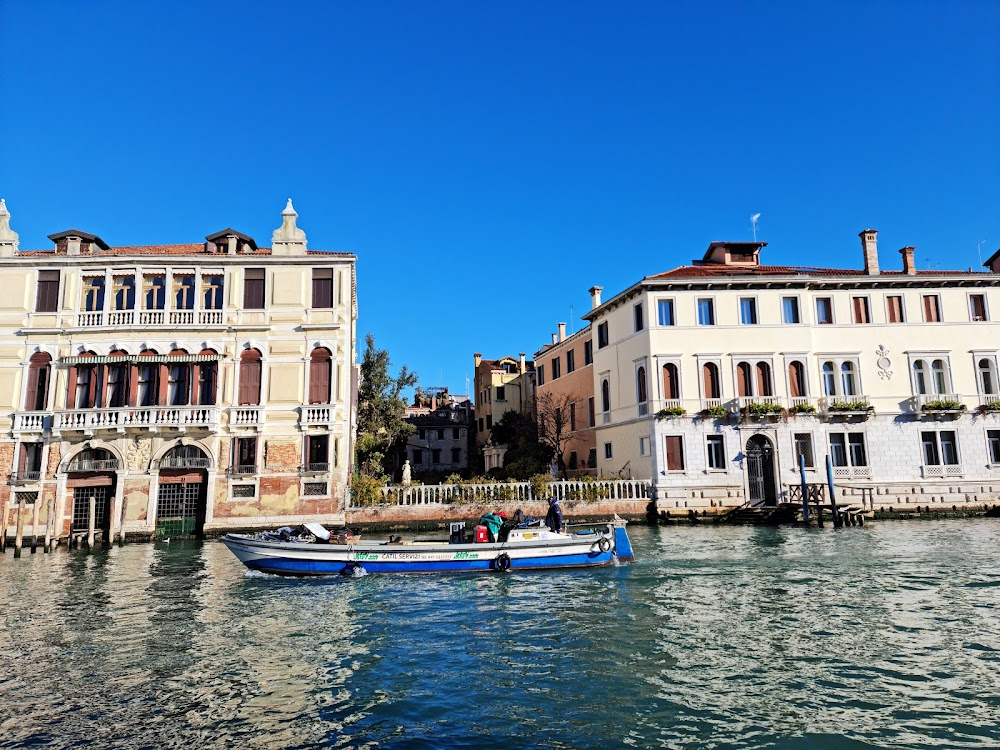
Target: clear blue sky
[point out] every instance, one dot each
(490, 161)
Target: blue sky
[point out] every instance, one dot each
(489, 162)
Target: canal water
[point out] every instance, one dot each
(883, 636)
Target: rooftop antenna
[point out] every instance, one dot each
(753, 221)
(979, 251)
(571, 320)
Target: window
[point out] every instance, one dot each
(489, 421)
(154, 290)
(803, 445)
(848, 449)
(211, 292)
(556, 367)
(86, 383)
(796, 379)
(829, 379)
(932, 377)
(977, 307)
(456, 455)
(987, 369)
(605, 396)
(245, 455)
(765, 386)
(592, 459)
(710, 380)
(824, 310)
(572, 460)
(643, 446)
(480, 424)
(93, 293)
(318, 453)
(36, 395)
(706, 312)
(716, 449)
(570, 361)
(540, 370)
(320, 375)
(421, 434)
(29, 462)
(674, 445)
(435, 455)
(602, 335)
(455, 433)
(149, 385)
(638, 317)
(178, 384)
(501, 393)
(744, 379)
(47, 296)
(641, 395)
(748, 311)
(322, 296)
(894, 309)
(993, 441)
(590, 412)
(117, 386)
(932, 308)
(940, 448)
(250, 369)
(440, 434)
(840, 378)
(208, 379)
(183, 292)
(860, 307)
(123, 292)
(939, 376)
(848, 379)
(671, 381)
(253, 289)
(588, 353)
(665, 312)
(607, 450)
(790, 310)
(572, 417)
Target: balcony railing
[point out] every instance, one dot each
(925, 400)
(852, 472)
(986, 399)
(32, 421)
(745, 401)
(319, 414)
(23, 477)
(942, 471)
(245, 417)
(116, 318)
(184, 462)
(242, 470)
(151, 317)
(858, 404)
(90, 319)
(109, 464)
(711, 403)
(795, 401)
(141, 417)
(316, 467)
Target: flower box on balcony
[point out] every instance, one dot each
(715, 412)
(853, 408)
(990, 407)
(942, 407)
(670, 412)
(763, 411)
(802, 409)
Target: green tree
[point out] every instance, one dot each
(381, 411)
(525, 456)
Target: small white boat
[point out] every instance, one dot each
(309, 551)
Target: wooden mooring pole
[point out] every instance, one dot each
(49, 523)
(837, 522)
(805, 489)
(91, 519)
(3, 527)
(121, 524)
(19, 535)
(34, 526)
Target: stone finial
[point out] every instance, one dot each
(8, 237)
(288, 239)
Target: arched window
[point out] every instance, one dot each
(710, 380)
(92, 459)
(920, 377)
(249, 394)
(671, 382)
(765, 386)
(744, 379)
(848, 379)
(83, 384)
(640, 385)
(940, 376)
(207, 380)
(185, 457)
(320, 371)
(987, 376)
(829, 379)
(36, 396)
(796, 379)
(605, 396)
(178, 380)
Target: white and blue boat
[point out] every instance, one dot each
(310, 551)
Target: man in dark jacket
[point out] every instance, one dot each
(553, 519)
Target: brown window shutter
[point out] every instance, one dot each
(322, 287)
(253, 289)
(707, 385)
(249, 379)
(22, 460)
(675, 453)
(793, 380)
(319, 381)
(743, 379)
(31, 393)
(71, 388)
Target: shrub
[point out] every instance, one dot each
(758, 408)
(992, 406)
(671, 411)
(366, 490)
(718, 412)
(944, 404)
(804, 409)
(540, 485)
(859, 405)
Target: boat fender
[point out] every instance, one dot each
(604, 545)
(503, 561)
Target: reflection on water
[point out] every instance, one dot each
(886, 636)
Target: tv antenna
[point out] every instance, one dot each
(753, 222)
(571, 320)
(979, 251)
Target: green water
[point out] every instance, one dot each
(883, 636)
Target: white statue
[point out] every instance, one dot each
(406, 472)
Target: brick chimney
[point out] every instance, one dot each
(908, 266)
(555, 338)
(870, 246)
(477, 358)
(595, 296)
(521, 365)
(562, 331)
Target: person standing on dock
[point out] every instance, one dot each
(553, 519)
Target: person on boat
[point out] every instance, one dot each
(493, 522)
(553, 519)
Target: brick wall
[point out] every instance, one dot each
(281, 455)
(136, 492)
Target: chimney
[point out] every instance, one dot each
(232, 244)
(521, 366)
(288, 239)
(477, 358)
(869, 245)
(434, 402)
(595, 296)
(72, 245)
(555, 338)
(908, 267)
(562, 331)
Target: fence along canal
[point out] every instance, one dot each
(517, 492)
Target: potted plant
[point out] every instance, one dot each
(943, 404)
(716, 412)
(856, 405)
(803, 408)
(670, 412)
(763, 410)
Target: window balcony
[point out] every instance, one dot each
(116, 318)
(852, 472)
(24, 477)
(110, 464)
(315, 467)
(185, 462)
(145, 417)
(318, 415)
(942, 471)
(243, 470)
(32, 421)
(745, 401)
(846, 406)
(939, 405)
(246, 417)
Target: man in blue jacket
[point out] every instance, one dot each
(553, 519)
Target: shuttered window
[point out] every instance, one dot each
(322, 288)
(253, 289)
(674, 452)
(671, 386)
(319, 376)
(894, 307)
(47, 299)
(932, 309)
(249, 378)
(860, 305)
(37, 394)
(710, 376)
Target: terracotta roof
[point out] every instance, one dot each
(187, 249)
(719, 270)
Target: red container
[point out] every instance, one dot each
(482, 534)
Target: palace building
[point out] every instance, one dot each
(716, 378)
(185, 388)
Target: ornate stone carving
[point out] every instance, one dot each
(138, 454)
(883, 363)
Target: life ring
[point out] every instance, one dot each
(503, 561)
(604, 545)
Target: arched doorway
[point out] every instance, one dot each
(760, 471)
(180, 500)
(92, 473)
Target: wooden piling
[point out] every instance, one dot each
(3, 527)
(19, 535)
(91, 519)
(34, 526)
(49, 523)
(121, 522)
